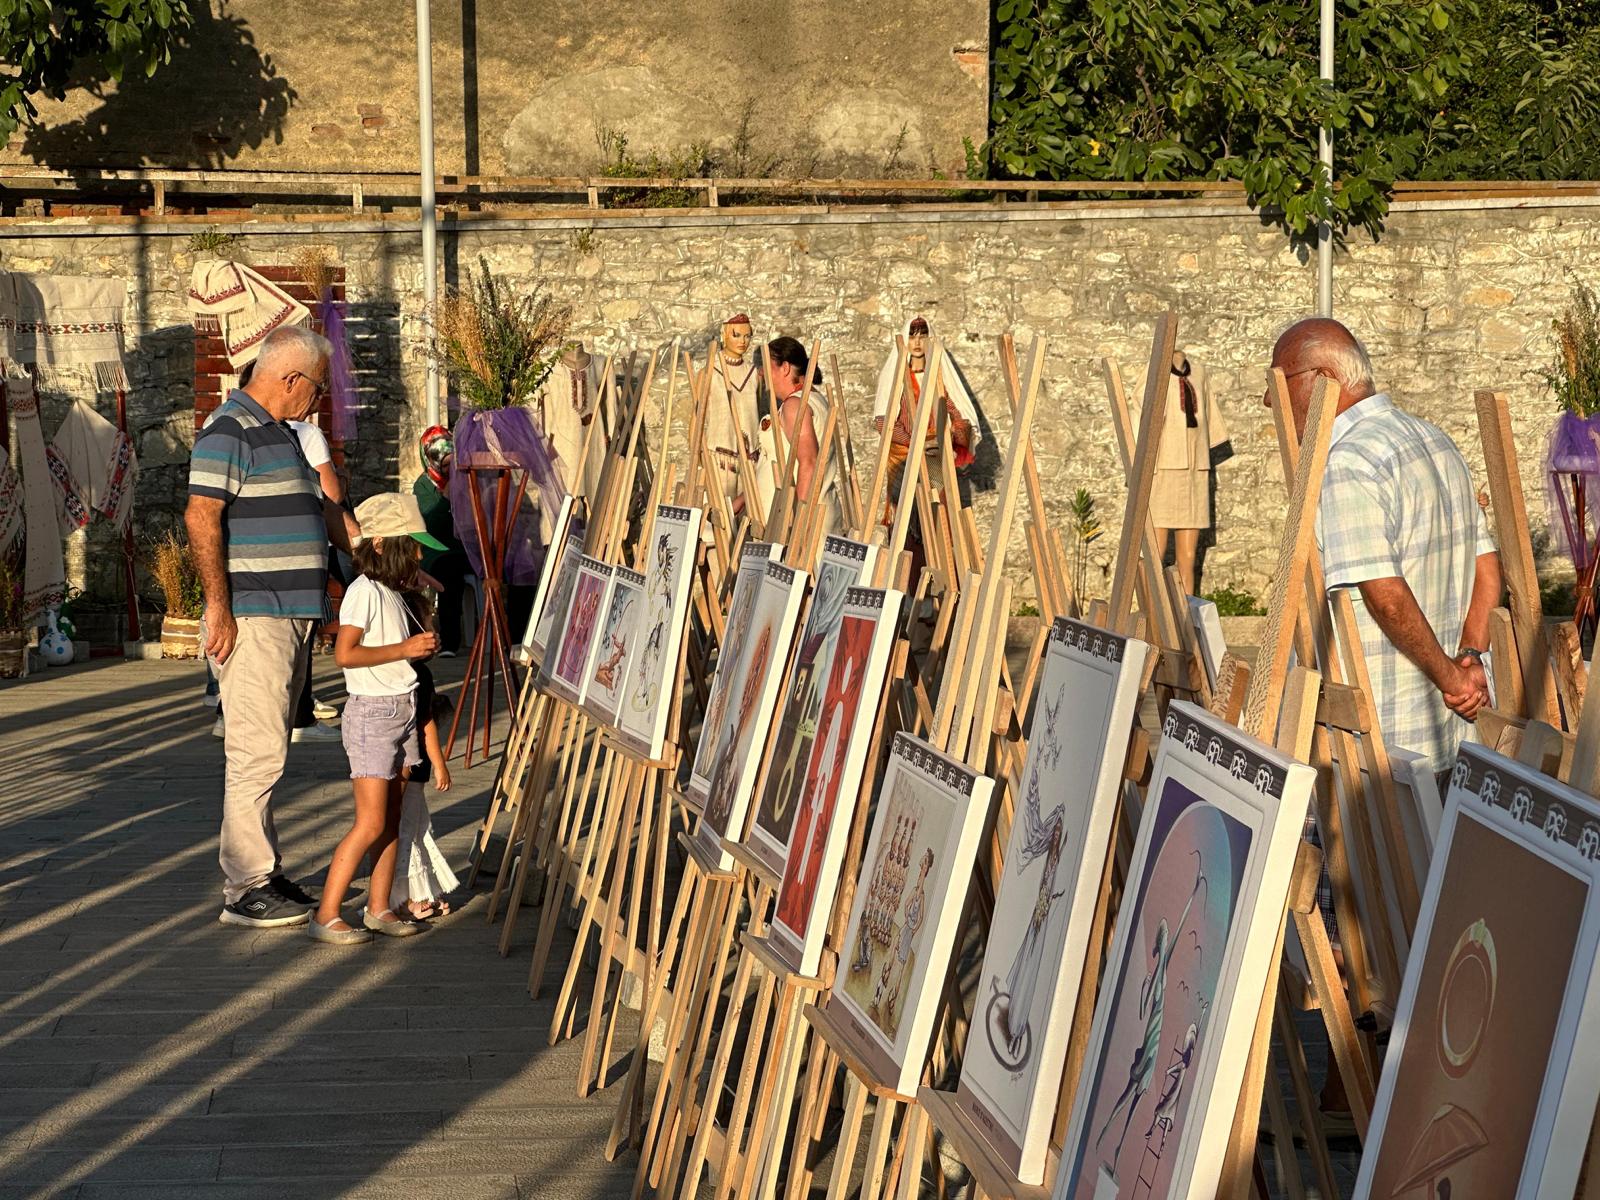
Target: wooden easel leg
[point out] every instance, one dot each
(535, 809)
(591, 902)
(813, 1117)
(913, 1139)
(1305, 1098)
(629, 952)
(567, 868)
(774, 1104)
(733, 1136)
(1284, 1156)
(617, 931)
(693, 1105)
(872, 1183)
(682, 998)
(732, 1028)
(685, 913)
(844, 1154)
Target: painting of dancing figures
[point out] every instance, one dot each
(652, 670)
(1187, 968)
(907, 905)
(1033, 963)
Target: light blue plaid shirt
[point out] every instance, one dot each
(1397, 500)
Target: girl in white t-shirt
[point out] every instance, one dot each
(377, 640)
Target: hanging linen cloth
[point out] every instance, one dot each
(44, 574)
(94, 465)
(10, 504)
(64, 321)
(244, 305)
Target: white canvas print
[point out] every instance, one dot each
(586, 612)
(653, 674)
(1187, 970)
(752, 698)
(827, 805)
(618, 636)
(1083, 713)
(568, 520)
(844, 564)
(555, 608)
(1488, 1086)
(753, 560)
(1208, 630)
(915, 871)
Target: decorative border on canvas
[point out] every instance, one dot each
(630, 576)
(672, 512)
(1238, 758)
(928, 761)
(597, 566)
(1545, 808)
(781, 573)
(1090, 639)
(761, 550)
(845, 548)
(860, 597)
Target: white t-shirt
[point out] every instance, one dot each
(381, 616)
(313, 443)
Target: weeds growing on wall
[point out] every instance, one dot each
(1231, 602)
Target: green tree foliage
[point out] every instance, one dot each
(45, 47)
(1229, 90)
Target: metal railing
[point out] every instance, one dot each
(159, 190)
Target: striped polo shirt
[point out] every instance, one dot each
(273, 529)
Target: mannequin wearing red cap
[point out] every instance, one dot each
(735, 373)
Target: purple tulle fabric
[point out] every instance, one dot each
(1575, 452)
(341, 370)
(508, 436)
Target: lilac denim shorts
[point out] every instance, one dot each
(380, 735)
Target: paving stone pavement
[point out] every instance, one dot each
(147, 1050)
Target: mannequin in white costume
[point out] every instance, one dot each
(569, 400)
(735, 373)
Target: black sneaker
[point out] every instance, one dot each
(263, 908)
(292, 891)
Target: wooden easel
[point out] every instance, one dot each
(706, 912)
(962, 726)
(556, 731)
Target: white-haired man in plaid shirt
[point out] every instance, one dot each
(1398, 524)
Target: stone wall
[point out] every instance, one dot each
(827, 87)
(1451, 300)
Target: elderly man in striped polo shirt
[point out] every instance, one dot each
(1399, 524)
(259, 528)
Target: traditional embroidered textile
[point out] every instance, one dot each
(94, 464)
(64, 321)
(241, 303)
(44, 574)
(10, 504)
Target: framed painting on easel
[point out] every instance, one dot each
(915, 871)
(752, 696)
(1488, 1087)
(838, 757)
(844, 564)
(669, 571)
(555, 606)
(567, 521)
(753, 560)
(1199, 919)
(613, 653)
(568, 658)
(1038, 936)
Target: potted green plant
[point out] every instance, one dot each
(174, 571)
(1573, 463)
(14, 631)
(498, 341)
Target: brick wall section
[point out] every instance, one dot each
(1451, 300)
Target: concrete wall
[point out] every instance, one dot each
(521, 87)
(1453, 299)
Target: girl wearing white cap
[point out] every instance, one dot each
(377, 641)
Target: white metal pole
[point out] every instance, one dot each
(430, 219)
(1325, 155)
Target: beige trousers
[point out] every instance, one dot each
(260, 682)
